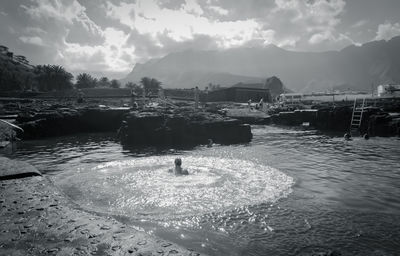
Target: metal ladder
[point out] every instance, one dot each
(357, 115)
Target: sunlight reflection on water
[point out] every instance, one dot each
(144, 186)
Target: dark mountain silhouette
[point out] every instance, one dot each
(354, 67)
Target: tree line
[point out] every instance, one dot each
(46, 78)
(16, 74)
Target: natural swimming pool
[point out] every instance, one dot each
(288, 192)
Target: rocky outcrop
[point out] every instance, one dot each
(383, 124)
(374, 122)
(63, 121)
(182, 127)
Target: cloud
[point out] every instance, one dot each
(77, 42)
(148, 18)
(359, 24)
(32, 40)
(68, 12)
(111, 35)
(316, 19)
(35, 31)
(219, 10)
(387, 30)
(111, 56)
(331, 40)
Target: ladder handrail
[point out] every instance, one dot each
(352, 114)
(12, 125)
(361, 112)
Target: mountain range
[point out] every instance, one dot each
(359, 68)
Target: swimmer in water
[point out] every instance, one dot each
(347, 136)
(178, 169)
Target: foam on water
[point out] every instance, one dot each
(144, 187)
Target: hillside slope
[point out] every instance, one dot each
(15, 72)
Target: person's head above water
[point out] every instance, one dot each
(178, 169)
(178, 161)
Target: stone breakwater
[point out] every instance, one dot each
(374, 121)
(37, 219)
(182, 127)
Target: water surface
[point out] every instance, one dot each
(288, 192)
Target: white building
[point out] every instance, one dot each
(389, 90)
(289, 98)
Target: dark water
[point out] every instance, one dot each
(288, 192)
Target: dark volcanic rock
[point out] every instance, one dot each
(182, 128)
(375, 122)
(335, 119)
(63, 121)
(296, 117)
(383, 124)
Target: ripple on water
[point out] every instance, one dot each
(144, 187)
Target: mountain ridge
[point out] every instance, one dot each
(353, 67)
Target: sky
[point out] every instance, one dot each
(108, 37)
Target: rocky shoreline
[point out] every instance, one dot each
(63, 121)
(183, 126)
(37, 219)
(375, 122)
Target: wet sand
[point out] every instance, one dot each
(37, 219)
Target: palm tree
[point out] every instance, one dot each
(104, 82)
(150, 85)
(52, 77)
(115, 83)
(84, 80)
(134, 87)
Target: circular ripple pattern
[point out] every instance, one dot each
(144, 187)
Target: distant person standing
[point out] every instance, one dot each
(261, 104)
(161, 96)
(196, 97)
(205, 98)
(133, 100)
(249, 104)
(144, 98)
(81, 96)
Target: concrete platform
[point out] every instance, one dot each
(11, 169)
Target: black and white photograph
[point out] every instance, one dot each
(200, 127)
